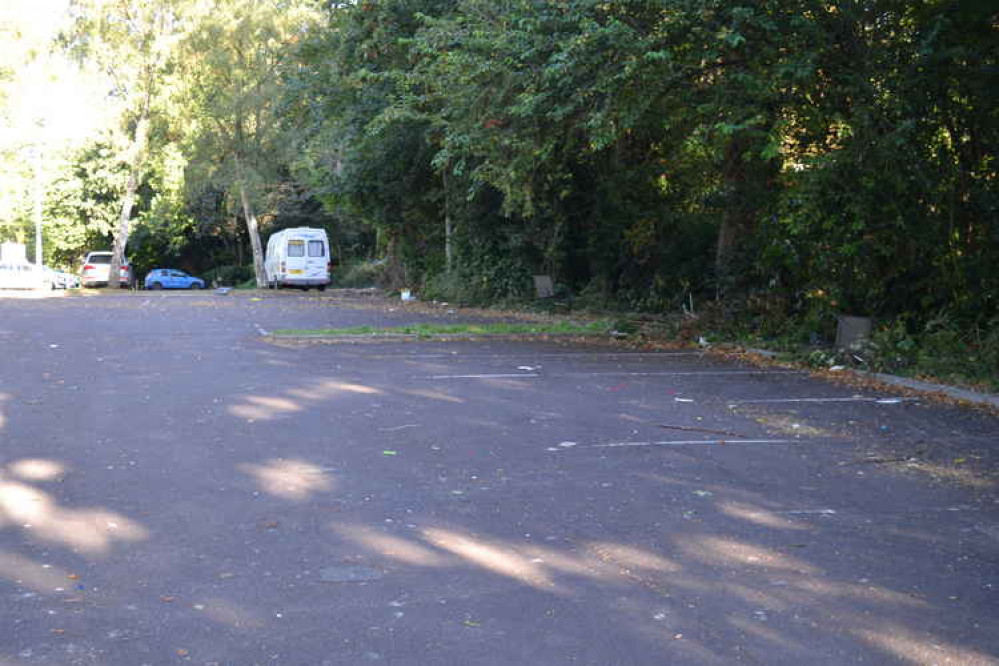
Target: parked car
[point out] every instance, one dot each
(54, 279)
(96, 267)
(18, 276)
(171, 278)
(298, 257)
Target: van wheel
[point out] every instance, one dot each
(321, 287)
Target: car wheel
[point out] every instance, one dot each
(321, 287)
(156, 286)
(195, 285)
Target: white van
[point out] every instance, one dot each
(298, 257)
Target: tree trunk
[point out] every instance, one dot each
(448, 226)
(251, 228)
(136, 159)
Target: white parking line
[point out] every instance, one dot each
(693, 373)
(529, 355)
(880, 401)
(686, 442)
(699, 373)
(521, 375)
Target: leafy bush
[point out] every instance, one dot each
(941, 350)
(492, 279)
(359, 274)
(228, 276)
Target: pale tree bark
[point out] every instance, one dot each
(448, 225)
(136, 163)
(254, 233)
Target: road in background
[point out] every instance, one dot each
(177, 489)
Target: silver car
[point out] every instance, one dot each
(96, 267)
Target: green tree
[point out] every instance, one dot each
(133, 40)
(232, 88)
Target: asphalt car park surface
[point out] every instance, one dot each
(178, 487)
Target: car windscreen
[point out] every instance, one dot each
(317, 248)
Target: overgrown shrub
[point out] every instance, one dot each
(489, 280)
(359, 274)
(229, 276)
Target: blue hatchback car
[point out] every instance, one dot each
(171, 278)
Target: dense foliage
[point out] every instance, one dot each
(833, 156)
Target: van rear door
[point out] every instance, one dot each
(316, 259)
(295, 263)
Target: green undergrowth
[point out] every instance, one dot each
(430, 330)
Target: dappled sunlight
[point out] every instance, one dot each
(731, 553)
(757, 516)
(292, 401)
(396, 548)
(4, 397)
(90, 530)
(229, 614)
(433, 395)
(294, 480)
(261, 408)
(858, 592)
(37, 469)
(631, 558)
(910, 647)
(29, 573)
(498, 558)
(564, 563)
(438, 548)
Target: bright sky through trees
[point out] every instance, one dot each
(39, 84)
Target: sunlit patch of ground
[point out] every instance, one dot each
(93, 530)
(293, 480)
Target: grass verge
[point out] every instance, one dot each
(431, 330)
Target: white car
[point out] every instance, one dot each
(59, 279)
(96, 267)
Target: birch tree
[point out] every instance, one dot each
(133, 41)
(232, 73)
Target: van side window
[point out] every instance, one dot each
(317, 248)
(296, 248)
